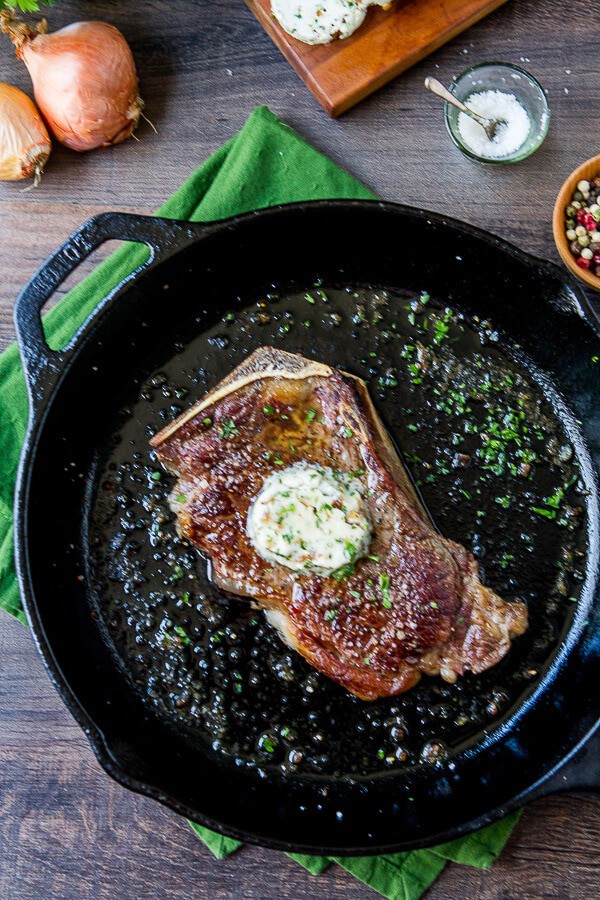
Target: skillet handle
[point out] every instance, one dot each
(41, 364)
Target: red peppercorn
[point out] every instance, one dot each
(583, 263)
(580, 215)
(597, 259)
(590, 223)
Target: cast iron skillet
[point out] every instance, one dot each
(550, 742)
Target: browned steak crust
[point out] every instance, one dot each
(420, 607)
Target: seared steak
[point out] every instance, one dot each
(402, 601)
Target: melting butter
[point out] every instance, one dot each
(310, 518)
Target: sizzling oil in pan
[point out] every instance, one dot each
(493, 465)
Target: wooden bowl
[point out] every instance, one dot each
(586, 170)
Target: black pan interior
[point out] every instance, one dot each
(213, 664)
(344, 286)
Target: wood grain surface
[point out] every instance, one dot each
(66, 830)
(389, 41)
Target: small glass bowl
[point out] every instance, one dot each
(511, 79)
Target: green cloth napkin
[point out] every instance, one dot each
(265, 164)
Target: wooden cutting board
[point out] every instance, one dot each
(341, 73)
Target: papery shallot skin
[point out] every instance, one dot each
(24, 141)
(84, 81)
(417, 606)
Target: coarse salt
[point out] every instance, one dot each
(510, 135)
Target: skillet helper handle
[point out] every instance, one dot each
(581, 772)
(40, 362)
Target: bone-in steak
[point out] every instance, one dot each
(404, 601)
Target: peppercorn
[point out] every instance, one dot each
(582, 221)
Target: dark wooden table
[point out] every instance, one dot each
(66, 830)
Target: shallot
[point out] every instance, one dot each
(24, 142)
(84, 80)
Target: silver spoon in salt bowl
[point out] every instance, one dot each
(490, 126)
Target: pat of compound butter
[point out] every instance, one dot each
(320, 21)
(310, 518)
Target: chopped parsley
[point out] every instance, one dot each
(441, 327)
(343, 572)
(384, 587)
(182, 634)
(555, 499)
(350, 547)
(228, 429)
(546, 513)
